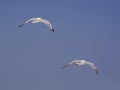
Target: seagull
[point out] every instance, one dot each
(82, 62)
(37, 20)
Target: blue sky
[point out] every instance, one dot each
(31, 56)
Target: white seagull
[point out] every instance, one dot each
(82, 62)
(37, 20)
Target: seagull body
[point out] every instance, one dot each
(37, 20)
(82, 62)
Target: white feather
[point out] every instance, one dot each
(82, 62)
(38, 20)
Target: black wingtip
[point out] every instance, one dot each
(52, 30)
(64, 66)
(97, 72)
(20, 25)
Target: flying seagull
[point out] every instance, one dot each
(82, 62)
(37, 20)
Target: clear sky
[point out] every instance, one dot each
(31, 56)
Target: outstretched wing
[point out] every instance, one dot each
(93, 67)
(29, 20)
(48, 24)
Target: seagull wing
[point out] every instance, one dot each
(48, 24)
(29, 20)
(93, 67)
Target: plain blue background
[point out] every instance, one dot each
(31, 56)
